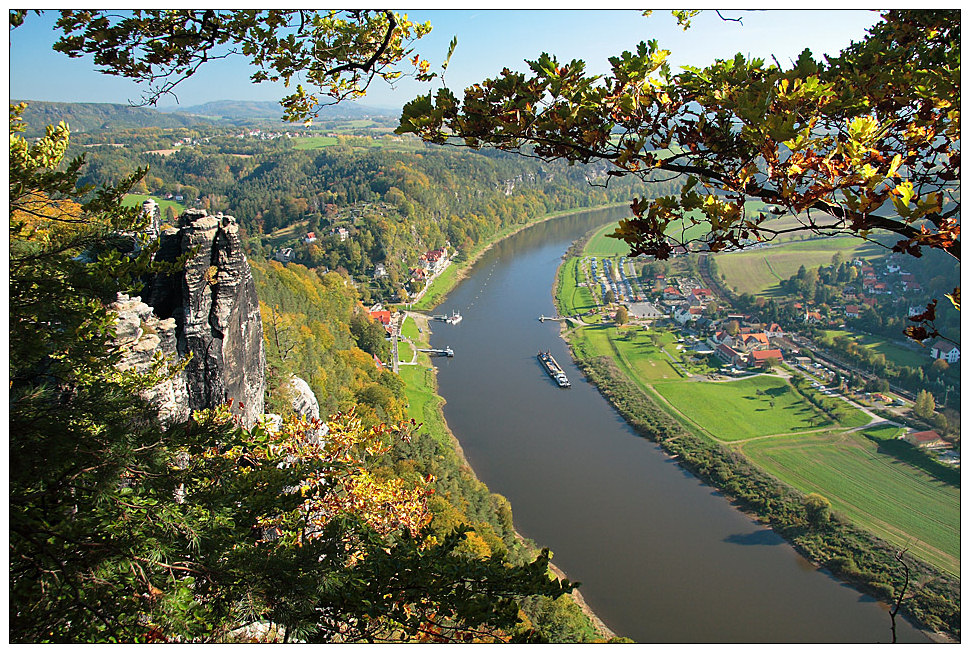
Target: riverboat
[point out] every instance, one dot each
(553, 369)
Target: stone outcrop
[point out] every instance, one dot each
(304, 402)
(144, 340)
(215, 309)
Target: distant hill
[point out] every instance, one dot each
(95, 116)
(254, 110)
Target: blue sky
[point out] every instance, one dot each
(488, 40)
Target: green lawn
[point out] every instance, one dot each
(895, 353)
(313, 142)
(895, 500)
(758, 271)
(573, 299)
(734, 411)
(134, 199)
(440, 287)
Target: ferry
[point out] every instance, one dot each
(552, 367)
(454, 318)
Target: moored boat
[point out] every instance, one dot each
(553, 369)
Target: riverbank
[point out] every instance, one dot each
(850, 554)
(426, 407)
(444, 283)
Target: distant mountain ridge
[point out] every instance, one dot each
(264, 110)
(91, 117)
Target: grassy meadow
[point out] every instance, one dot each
(313, 142)
(896, 353)
(746, 408)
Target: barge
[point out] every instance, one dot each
(553, 368)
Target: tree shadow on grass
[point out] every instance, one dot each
(907, 453)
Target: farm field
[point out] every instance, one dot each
(758, 271)
(314, 142)
(895, 353)
(896, 501)
(733, 410)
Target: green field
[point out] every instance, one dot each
(134, 199)
(896, 501)
(313, 142)
(758, 271)
(601, 245)
(574, 299)
(733, 410)
(895, 353)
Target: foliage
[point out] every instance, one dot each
(338, 52)
(818, 509)
(925, 405)
(309, 330)
(125, 529)
(875, 127)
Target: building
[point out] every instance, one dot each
(644, 311)
(729, 355)
(927, 440)
(764, 357)
(284, 255)
(310, 238)
(945, 350)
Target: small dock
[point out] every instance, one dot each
(543, 318)
(447, 351)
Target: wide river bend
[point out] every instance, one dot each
(661, 556)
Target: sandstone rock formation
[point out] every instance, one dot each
(215, 308)
(144, 339)
(304, 401)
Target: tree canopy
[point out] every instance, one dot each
(864, 141)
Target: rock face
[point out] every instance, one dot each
(145, 339)
(215, 309)
(304, 401)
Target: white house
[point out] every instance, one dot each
(945, 350)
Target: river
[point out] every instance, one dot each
(661, 557)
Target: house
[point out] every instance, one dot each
(813, 316)
(671, 293)
(852, 310)
(926, 440)
(764, 357)
(945, 350)
(285, 255)
(703, 294)
(384, 317)
(310, 237)
(729, 355)
(380, 271)
(774, 331)
(685, 315)
(755, 340)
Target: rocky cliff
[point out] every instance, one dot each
(144, 339)
(213, 305)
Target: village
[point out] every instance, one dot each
(732, 344)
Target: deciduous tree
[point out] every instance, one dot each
(863, 143)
